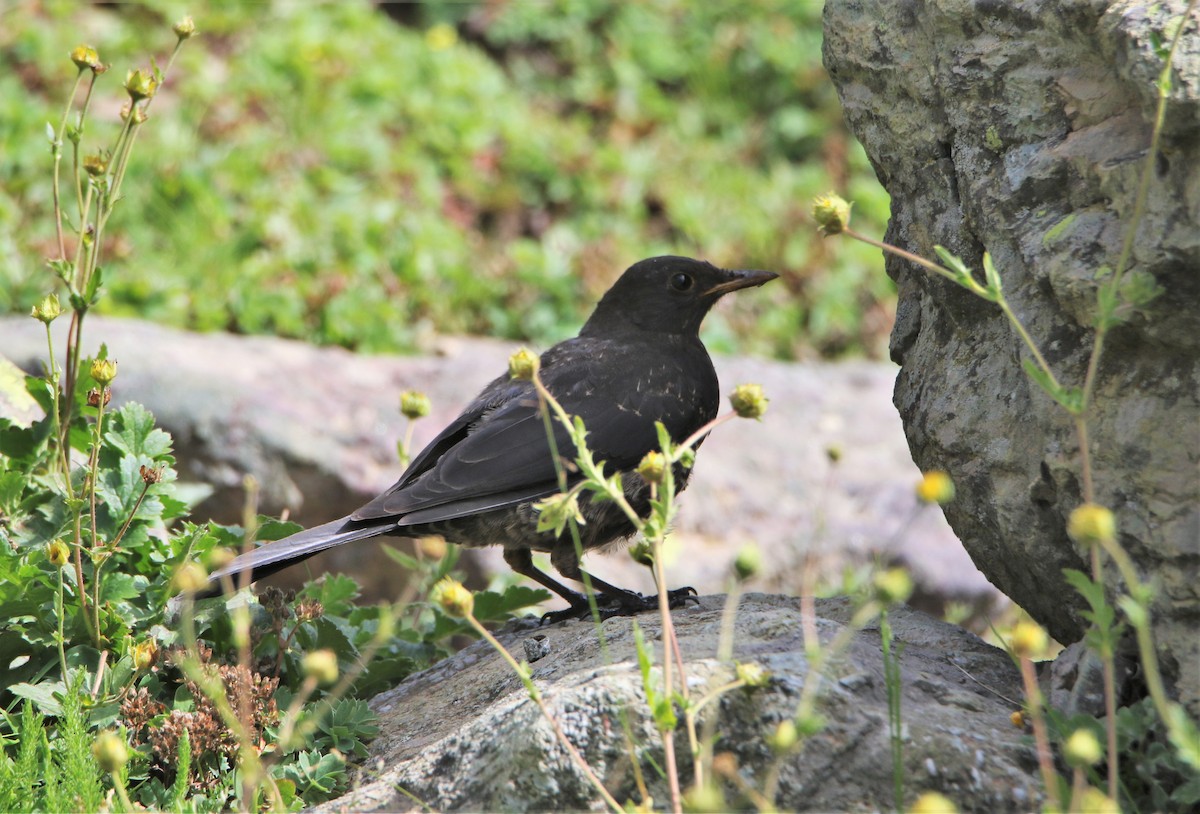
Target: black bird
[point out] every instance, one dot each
(637, 360)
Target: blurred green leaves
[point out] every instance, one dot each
(324, 172)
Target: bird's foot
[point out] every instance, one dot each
(627, 603)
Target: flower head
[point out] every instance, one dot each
(104, 371)
(454, 599)
(414, 404)
(935, 487)
(140, 84)
(58, 553)
(1090, 524)
(47, 310)
(185, 28)
(832, 213)
(85, 57)
(748, 400)
(321, 665)
(523, 365)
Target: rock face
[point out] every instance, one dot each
(464, 736)
(1021, 129)
(317, 427)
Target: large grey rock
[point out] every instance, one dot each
(317, 427)
(464, 736)
(1020, 129)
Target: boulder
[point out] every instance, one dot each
(1022, 130)
(464, 735)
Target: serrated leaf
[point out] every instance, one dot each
(132, 431)
(493, 606)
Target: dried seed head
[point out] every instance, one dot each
(748, 400)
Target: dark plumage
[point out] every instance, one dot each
(637, 360)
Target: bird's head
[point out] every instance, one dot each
(669, 295)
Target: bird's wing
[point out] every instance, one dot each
(496, 453)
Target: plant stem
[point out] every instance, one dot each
(58, 138)
(536, 696)
(1045, 762)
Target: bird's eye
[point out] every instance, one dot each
(681, 281)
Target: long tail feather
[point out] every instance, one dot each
(272, 557)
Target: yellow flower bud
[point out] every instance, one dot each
(321, 665)
(414, 404)
(47, 310)
(653, 467)
(784, 737)
(704, 798)
(441, 36)
(753, 675)
(190, 578)
(1018, 719)
(892, 586)
(432, 546)
(454, 599)
(110, 751)
(104, 371)
(95, 164)
(933, 803)
(523, 365)
(145, 654)
(748, 400)
(1028, 640)
(1083, 749)
(85, 56)
(935, 487)
(1090, 524)
(58, 553)
(832, 213)
(140, 84)
(184, 28)
(1095, 801)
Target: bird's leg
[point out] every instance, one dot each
(566, 562)
(521, 561)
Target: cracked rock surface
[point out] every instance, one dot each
(464, 736)
(1021, 130)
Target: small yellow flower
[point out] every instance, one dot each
(58, 553)
(432, 546)
(140, 84)
(748, 401)
(1095, 801)
(753, 675)
(321, 665)
(703, 799)
(892, 586)
(47, 310)
(784, 737)
(653, 467)
(104, 371)
(145, 654)
(110, 751)
(454, 599)
(1018, 719)
(933, 803)
(414, 404)
(523, 365)
(190, 578)
(1028, 640)
(1083, 749)
(1090, 524)
(935, 487)
(441, 36)
(185, 28)
(832, 213)
(85, 56)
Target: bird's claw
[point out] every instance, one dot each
(628, 604)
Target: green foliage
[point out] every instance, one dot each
(322, 172)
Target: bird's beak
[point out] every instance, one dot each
(738, 278)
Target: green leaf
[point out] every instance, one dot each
(132, 432)
(46, 696)
(992, 277)
(1070, 398)
(495, 607)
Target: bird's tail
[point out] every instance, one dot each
(267, 559)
